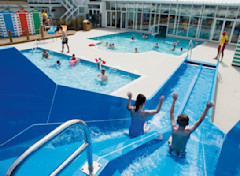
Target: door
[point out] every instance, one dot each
(23, 19)
(9, 24)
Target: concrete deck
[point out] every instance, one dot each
(155, 68)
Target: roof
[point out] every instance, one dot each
(200, 2)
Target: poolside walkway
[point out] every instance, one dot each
(155, 68)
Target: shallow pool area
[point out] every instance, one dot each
(124, 44)
(82, 75)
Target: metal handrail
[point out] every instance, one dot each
(87, 144)
(190, 46)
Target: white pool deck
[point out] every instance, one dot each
(155, 68)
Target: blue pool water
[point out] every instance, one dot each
(82, 76)
(151, 158)
(124, 44)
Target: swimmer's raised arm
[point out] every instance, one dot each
(208, 106)
(175, 96)
(129, 94)
(152, 112)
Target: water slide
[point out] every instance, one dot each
(119, 154)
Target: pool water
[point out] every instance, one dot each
(83, 75)
(124, 44)
(151, 158)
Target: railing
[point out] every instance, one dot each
(87, 144)
(190, 46)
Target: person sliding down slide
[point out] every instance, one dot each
(180, 135)
(139, 125)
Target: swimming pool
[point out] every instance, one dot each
(81, 76)
(194, 86)
(124, 44)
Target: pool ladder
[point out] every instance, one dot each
(89, 168)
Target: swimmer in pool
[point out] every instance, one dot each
(133, 38)
(106, 44)
(180, 134)
(174, 46)
(156, 46)
(73, 58)
(181, 49)
(139, 124)
(136, 50)
(58, 64)
(103, 77)
(45, 55)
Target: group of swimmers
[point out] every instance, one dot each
(102, 78)
(180, 134)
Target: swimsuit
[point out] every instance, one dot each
(181, 154)
(45, 55)
(136, 128)
(65, 41)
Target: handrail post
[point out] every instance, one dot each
(89, 149)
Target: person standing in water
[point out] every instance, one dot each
(139, 125)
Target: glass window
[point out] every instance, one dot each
(108, 19)
(113, 19)
(130, 20)
(131, 7)
(209, 11)
(138, 21)
(139, 7)
(171, 24)
(158, 8)
(238, 17)
(152, 19)
(236, 32)
(228, 27)
(145, 23)
(207, 24)
(108, 5)
(153, 8)
(164, 8)
(164, 19)
(183, 26)
(173, 9)
(221, 11)
(193, 27)
(232, 12)
(197, 10)
(185, 10)
(147, 7)
(113, 4)
(124, 6)
(217, 30)
(118, 5)
(157, 19)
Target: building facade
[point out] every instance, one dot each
(198, 21)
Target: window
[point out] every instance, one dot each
(221, 12)
(232, 12)
(209, 11)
